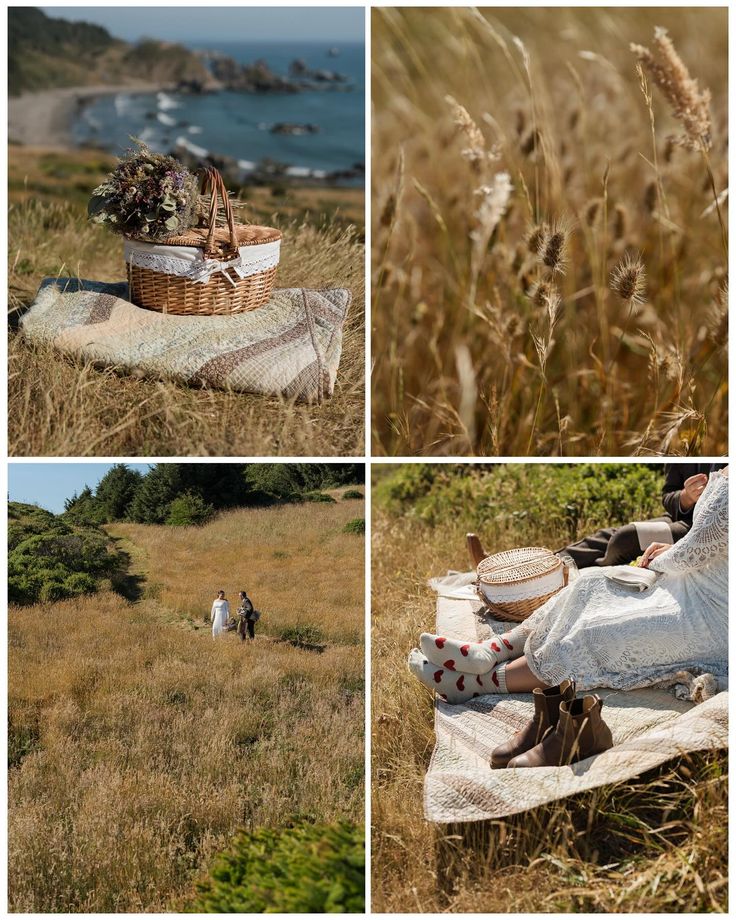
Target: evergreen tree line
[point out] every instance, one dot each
(190, 493)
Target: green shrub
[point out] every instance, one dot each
(303, 868)
(317, 497)
(189, 510)
(566, 499)
(50, 557)
(303, 636)
(357, 525)
(79, 583)
(351, 494)
(52, 591)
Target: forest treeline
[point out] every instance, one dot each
(184, 494)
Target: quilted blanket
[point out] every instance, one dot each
(289, 347)
(649, 727)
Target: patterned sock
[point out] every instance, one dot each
(456, 686)
(471, 657)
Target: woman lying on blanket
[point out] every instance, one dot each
(600, 634)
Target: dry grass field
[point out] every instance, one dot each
(654, 844)
(60, 407)
(549, 240)
(139, 745)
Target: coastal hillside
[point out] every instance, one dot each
(139, 747)
(46, 52)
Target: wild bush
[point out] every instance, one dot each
(302, 868)
(565, 498)
(189, 510)
(50, 559)
(303, 636)
(318, 497)
(357, 525)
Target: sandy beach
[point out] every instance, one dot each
(44, 119)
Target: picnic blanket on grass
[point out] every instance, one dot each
(649, 727)
(290, 347)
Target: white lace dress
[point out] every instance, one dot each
(604, 635)
(220, 614)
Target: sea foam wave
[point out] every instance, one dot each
(192, 148)
(166, 102)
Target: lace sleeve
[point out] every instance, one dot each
(708, 538)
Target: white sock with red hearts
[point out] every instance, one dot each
(456, 686)
(471, 657)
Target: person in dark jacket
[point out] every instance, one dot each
(246, 618)
(683, 486)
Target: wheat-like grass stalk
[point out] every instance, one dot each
(690, 105)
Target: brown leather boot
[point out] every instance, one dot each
(546, 712)
(580, 732)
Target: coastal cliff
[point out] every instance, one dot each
(47, 53)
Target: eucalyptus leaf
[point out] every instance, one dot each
(97, 203)
(172, 223)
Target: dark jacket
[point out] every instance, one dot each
(674, 482)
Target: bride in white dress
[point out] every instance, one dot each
(599, 633)
(220, 614)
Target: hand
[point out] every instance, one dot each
(651, 552)
(692, 490)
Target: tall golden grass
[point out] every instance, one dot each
(653, 844)
(525, 162)
(60, 407)
(139, 748)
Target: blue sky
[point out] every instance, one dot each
(48, 484)
(327, 24)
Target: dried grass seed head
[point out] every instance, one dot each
(592, 210)
(535, 238)
(690, 105)
(477, 152)
(628, 279)
(554, 250)
(494, 200)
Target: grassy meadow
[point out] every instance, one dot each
(654, 844)
(549, 254)
(60, 407)
(139, 746)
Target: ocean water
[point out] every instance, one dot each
(237, 124)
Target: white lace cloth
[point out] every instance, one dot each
(603, 635)
(189, 261)
(521, 591)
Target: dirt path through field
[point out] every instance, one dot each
(137, 588)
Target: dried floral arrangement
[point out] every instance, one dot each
(148, 196)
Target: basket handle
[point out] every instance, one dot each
(475, 549)
(213, 180)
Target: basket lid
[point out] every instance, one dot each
(518, 565)
(247, 234)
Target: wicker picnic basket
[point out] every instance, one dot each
(513, 584)
(207, 271)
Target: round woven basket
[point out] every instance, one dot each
(513, 584)
(207, 271)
